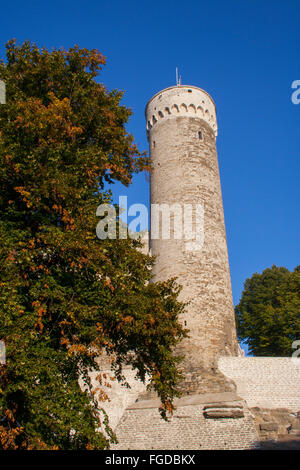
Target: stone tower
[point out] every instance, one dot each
(182, 130)
(213, 411)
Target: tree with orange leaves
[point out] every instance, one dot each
(66, 296)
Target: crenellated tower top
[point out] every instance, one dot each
(181, 100)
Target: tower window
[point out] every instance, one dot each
(153, 144)
(189, 91)
(200, 137)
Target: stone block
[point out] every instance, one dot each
(223, 412)
(268, 427)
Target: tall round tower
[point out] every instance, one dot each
(185, 182)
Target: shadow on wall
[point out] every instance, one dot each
(282, 443)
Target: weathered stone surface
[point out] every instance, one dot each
(266, 382)
(225, 412)
(187, 429)
(227, 399)
(234, 409)
(185, 171)
(294, 429)
(222, 405)
(268, 427)
(277, 428)
(120, 397)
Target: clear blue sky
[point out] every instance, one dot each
(245, 53)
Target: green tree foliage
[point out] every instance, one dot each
(66, 296)
(268, 315)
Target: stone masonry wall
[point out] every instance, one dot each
(267, 382)
(188, 429)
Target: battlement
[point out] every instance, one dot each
(181, 100)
